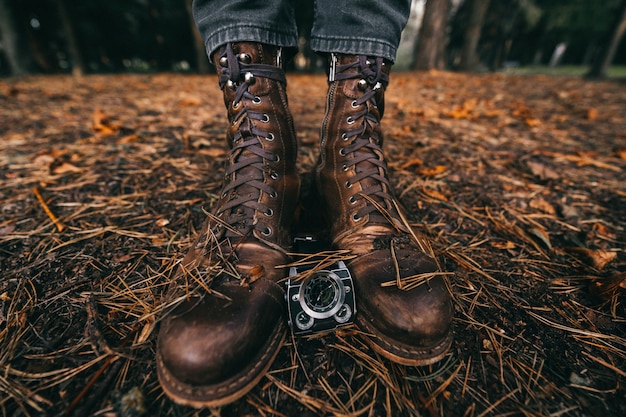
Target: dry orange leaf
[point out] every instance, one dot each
(412, 162)
(430, 172)
(190, 101)
(102, 123)
(434, 194)
(542, 235)
(542, 205)
(532, 122)
(128, 139)
(606, 288)
(503, 245)
(592, 114)
(213, 152)
(597, 258)
(65, 168)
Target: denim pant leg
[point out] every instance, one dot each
(359, 27)
(266, 21)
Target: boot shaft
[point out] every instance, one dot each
(352, 174)
(261, 185)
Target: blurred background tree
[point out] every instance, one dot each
(93, 36)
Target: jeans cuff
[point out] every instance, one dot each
(354, 46)
(249, 33)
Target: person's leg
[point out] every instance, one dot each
(270, 22)
(226, 324)
(409, 319)
(357, 27)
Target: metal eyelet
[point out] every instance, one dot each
(354, 104)
(342, 152)
(348, 184)
(267, 231)
(244, 58)
(350, 120)
(276, 158)
(344, 168)
(355, 217)
(344, 137)
(265, 118)
(256, 100)
(236, 105)
(274, 175)
(352, 200)
(224, 194)
(273, 194)
(249, 78)
(231, 84)
(362, 84)
(269, 212)
(223, 62)
(270, 137)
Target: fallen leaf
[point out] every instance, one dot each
(503, 245)
(431, 172)
(123, 258)
(213, 152)
(542, 205)
(542, 171)
(128, 139)
(412, 162)
(162, 222)
(592, 114)
(597, 258)
(65, 168)
(434, 194)
(102, 123)
(542, 235)
(606, 288)
(190, 101)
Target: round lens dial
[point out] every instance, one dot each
(322, 295)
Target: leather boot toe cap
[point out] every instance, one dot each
(213, 340)
(418, 319)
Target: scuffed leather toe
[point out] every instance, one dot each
(411, 327)
(212, 351)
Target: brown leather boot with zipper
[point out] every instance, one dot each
(403, 302)
(227, 322)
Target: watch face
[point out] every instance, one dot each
(322, 295)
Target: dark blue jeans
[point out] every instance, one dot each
(360, 27)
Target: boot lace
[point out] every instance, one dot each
(365, 140)
(244, 177)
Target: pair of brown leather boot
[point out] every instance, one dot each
(227, 324)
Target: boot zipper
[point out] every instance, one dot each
(329, 104)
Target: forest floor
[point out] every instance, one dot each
(518, 181)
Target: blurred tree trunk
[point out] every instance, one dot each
(600, 66)
(202, 60)
(78, 63)
(469, 55)
(430, 47)
(11, 41)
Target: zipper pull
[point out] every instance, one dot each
(333, 67)
(279, 57)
